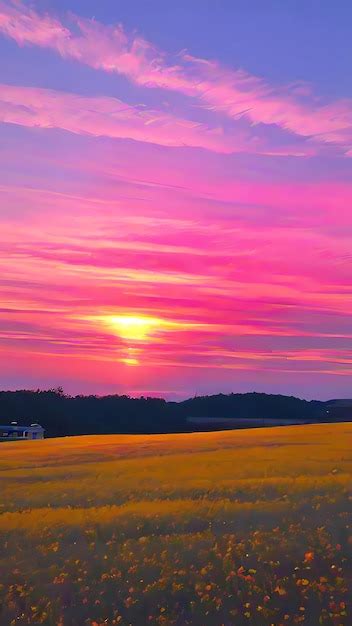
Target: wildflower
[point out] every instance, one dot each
(280, 590)
(302, 581)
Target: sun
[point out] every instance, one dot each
(137, 331)
(135, 327)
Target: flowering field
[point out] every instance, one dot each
(232, 528)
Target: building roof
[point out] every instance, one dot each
(21, 429)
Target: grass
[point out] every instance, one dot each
(232, 528)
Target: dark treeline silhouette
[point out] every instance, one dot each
(61, 414)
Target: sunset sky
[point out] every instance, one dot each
(176, 196)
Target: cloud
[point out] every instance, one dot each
(110, 117)
(235, 93)
(104, 116)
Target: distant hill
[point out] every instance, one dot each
(62, 415)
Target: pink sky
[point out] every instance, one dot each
(170, 224)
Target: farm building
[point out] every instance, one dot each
(14, 432)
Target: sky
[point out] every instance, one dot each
(176, 197)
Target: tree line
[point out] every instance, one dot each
(61, 414)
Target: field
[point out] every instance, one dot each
(248, 527)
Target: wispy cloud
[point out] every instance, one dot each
(110, 117)
(235, 93)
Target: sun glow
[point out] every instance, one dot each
(135, 327)
(137, 332)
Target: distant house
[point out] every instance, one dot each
(14, 432)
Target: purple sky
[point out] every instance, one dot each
(175, 189)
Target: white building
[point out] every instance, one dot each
(14, 432)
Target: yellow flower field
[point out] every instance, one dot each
(247, 527)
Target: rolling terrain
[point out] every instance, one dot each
(238, 527)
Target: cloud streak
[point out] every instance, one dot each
(109, 117)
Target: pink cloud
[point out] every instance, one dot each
(193, 265)
(235, 93)
(24, 25)
(104, 116)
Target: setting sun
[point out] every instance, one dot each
(134, 327)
